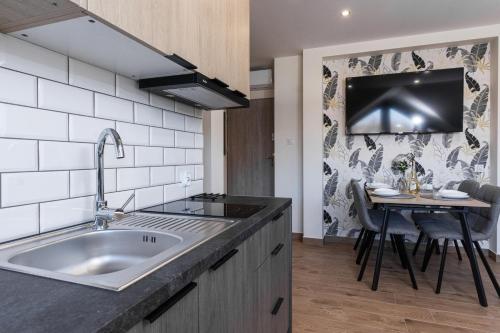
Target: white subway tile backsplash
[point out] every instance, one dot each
(147, 197)
(129, 89)
(30, 187)
(130, 178)
(198, 140)
(148, 156)
(184, 139)
(183, 171)
(29, 123)
(132, 134)
(194, 156)
(195, 188)
(29, 58)
(17, 88)
(194, 125)
(198, 172)
(110, 107)
(184, 108)
(110, 160)
(65, 155)
(52, 110)
(18, 155)
(173, 192)
(61, 97)
(91, 77)
(161, 102)
(65, 213)
(148, 115)
(87, 129)
(173, 120)
(83, 182)
(162, 175)
(174, 156)
(17, 222)
(161, 137)
(117, 199)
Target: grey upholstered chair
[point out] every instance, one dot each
(372, 220)
(482, 222)
(468, 186)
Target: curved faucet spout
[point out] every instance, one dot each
(101, 205)
(117, 141)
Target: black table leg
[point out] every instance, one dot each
(472, 259)
(380, 252)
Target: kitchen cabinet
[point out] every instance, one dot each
(214, 35)
(221, 294)
(247, 290)
(178, 314)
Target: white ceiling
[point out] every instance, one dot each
(285, 27)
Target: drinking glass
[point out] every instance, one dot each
(436, 188)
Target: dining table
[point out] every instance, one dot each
(417, 203)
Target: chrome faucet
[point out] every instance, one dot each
(103, 214)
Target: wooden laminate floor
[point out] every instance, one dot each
(327, 297)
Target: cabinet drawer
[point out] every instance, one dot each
(280, 288)
(278, 228)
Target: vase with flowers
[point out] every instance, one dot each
(399, 167)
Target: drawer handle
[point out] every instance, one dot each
(277, 306)
(277, 249)
(222, 260)
(153, 316)
(277, 217)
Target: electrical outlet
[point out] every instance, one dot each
(479, 168)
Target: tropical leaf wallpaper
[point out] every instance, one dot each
(441, 158)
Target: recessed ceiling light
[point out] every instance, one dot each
(417, 81)
(346, 12)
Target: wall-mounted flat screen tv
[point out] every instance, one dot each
(414, 102)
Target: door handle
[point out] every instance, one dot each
(277, 306)
(277, 249)
(223, 260)
(153, 316)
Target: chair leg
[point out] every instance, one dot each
(360, 236)
(397, 238)
(441, 267)
(428, 253)
(371, 237)
(459, 254)
(393, 244)
(436, 245)
(488, 268)
(465, 248)
(402, 252)
(417, 244)
(362, 249)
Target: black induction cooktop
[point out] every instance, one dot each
(206, 204)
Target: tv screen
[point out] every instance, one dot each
(417, 102)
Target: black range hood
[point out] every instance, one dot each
(197, 90)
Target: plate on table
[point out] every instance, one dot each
(386, 192)
(453, 194)
(373, 186)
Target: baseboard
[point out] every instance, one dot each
(494, 256)
(313, 241)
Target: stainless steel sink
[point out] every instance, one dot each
(114, 258)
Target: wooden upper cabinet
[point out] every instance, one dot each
(131, 16)
(214, 35)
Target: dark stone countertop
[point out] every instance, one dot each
(35, 304)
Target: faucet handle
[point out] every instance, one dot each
(125, 204)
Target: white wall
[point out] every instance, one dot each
(288, 134)
(214, 158)
(52, 109)
(312, 99)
